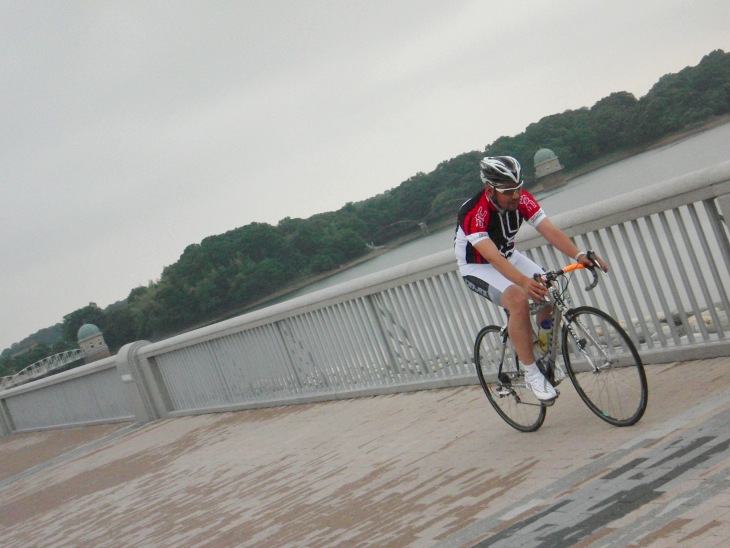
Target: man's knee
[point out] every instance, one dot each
(515, 299)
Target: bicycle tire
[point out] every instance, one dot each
(513, 401)
(607, 371)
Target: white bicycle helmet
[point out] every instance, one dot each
(500, 170)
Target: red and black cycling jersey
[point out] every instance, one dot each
(479, 219)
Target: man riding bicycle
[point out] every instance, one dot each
(491, 266)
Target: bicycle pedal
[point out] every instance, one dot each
(503, 391)
(549, 403)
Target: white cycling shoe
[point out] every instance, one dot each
(543, 390)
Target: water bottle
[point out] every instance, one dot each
(543, 334)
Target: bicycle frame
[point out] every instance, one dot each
(561, 309)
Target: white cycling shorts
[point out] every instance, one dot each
(487, 280)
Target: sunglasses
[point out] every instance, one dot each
(509, 191)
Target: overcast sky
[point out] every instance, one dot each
(133, 129)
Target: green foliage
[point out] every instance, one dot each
(11, 363)
(118, 326)
(621, 122)
(73, 321)
(227, 272)
(47, 336)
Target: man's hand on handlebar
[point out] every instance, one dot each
(591, 259)
(535, 288)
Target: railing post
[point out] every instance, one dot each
(724, 203)
(136, 389)
(721, 233)
(7, 426)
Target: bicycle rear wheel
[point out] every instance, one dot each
(509, 396)
(604, 366)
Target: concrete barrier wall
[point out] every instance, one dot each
(89, 394)
(412, 326)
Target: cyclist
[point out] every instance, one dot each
(491, 266)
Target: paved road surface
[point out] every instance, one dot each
(432, 468)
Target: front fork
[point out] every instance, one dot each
(581, 344)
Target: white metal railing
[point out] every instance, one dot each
(412, 326)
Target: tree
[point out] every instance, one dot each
(611, 118)
(72, 322)
(119, 328)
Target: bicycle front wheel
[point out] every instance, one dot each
(604, 366)
(506, 391)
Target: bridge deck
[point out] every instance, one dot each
(422, 469)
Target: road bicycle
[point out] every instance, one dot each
(585, 343)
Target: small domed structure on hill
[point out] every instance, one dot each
(91, 341)
(548, 170)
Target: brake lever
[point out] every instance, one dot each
(594, 283)
(590, 253)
